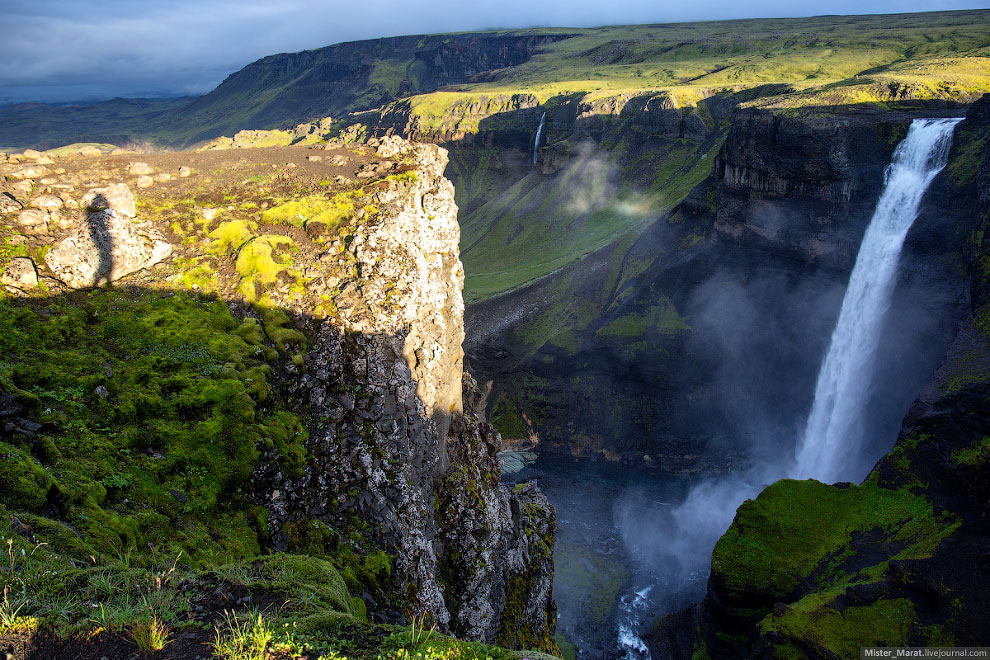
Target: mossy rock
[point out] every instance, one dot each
(302, 574)
(24, 484)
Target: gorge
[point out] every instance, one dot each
(698, 271)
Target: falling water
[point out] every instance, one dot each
(845, 374)
(536, 142)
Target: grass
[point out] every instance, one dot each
(151, 635)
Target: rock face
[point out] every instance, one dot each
(817, 571)
(802, 187)
(396, 457)
(108, 245)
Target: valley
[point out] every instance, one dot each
(624, 249)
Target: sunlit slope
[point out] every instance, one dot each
(803, 52)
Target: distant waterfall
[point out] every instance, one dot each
(844, 379)
(536, 142)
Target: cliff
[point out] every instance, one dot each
(273, 379)
(817, 571)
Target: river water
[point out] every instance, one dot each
(610, 579)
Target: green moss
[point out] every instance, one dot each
(274, 321)
(842, 631)
(661, 318)
(975, 456)
(230, 236)
(261, 260)
(315, 209)
(298, 574)
(765, 555)
(180, 416)
(24, 484)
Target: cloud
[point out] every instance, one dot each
(52, 49)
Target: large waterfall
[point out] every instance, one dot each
(844, 380)
(536, 142)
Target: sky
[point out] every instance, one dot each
(71, 50)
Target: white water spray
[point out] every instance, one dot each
(844, 379)
(536, 142)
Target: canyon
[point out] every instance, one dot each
(651, 273)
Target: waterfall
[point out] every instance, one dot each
(844, 380)
(536, 142)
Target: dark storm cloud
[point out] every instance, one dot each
(69, 49)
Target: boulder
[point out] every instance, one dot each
(144, 181)
(105, 248)
(117, 197)
(21, 172)
(47, 202)
(90, 151)
(32, 219)
(8, 204)
(20, 272)
(139, 168)
(185, 171)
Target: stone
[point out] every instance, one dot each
(44, 160)
(339, 161)
(138, 168)
(144, 182)
(185, 171)
(22, 172)
(61, 220)
(9, 204)
(32, 218)
(90, 151)
(21, 273)
(47, 202)
(105, 248)
(117, 197)
(315, 159)
(102, 392)
(163, 177)
(22, 187)
(31, 153)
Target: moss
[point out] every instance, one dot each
(974, 456)
(843, 631)
(315, 209)
(259, 263)
(765, 553)
(181, 416)
(230, 236)
(24, 484)
(274, 321)
(297, 574)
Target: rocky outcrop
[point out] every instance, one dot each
(802, 187)
(396, 463)
(108, 245)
